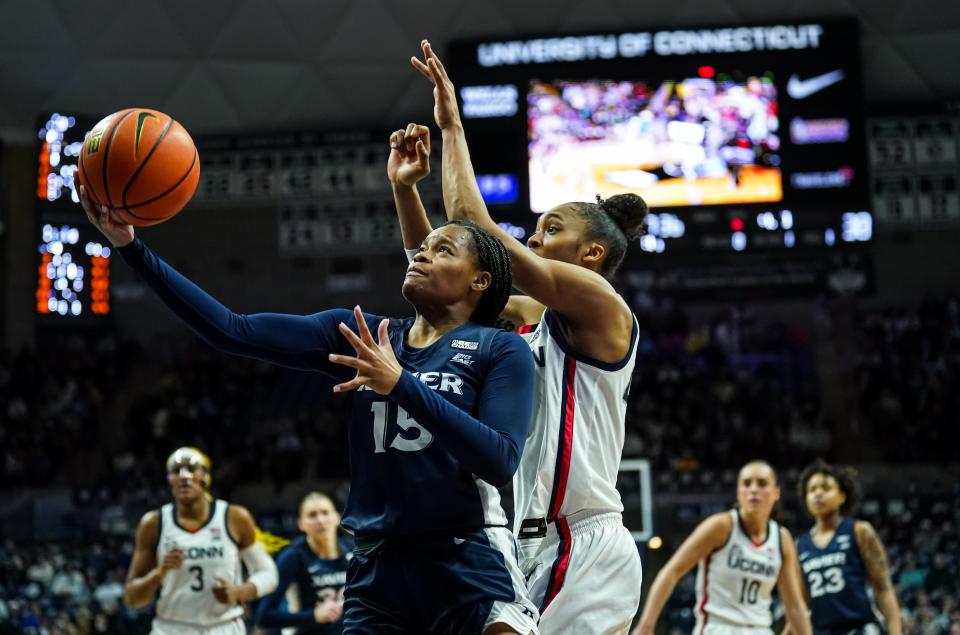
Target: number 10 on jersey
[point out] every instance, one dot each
(411, 437)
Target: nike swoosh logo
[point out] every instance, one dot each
(141, 119)
(803, 88)
(459, 541)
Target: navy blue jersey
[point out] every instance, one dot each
(836, 580)
(313, 579)
(427, 457)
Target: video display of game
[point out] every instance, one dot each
(694, 141)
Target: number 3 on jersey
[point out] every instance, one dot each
(403, 440)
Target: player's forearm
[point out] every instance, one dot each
(489, 453)
(414, 223)
(461, 194)
(798, 619)
(890, 608)
(657, 597)
(247, 592)
(139, 592)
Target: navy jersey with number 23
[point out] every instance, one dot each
(835, 579)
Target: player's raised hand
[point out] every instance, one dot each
(115, 230)
(327, 611)
(409, 160)
(376, 364)
(445, 109)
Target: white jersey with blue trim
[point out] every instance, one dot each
(186, 594)
(573, 450)
(735, 583)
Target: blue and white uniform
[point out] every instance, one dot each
(433, 549)
(837, 583)
(305, 579)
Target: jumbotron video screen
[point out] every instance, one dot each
(719, 129)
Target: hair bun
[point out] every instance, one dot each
(628, 211)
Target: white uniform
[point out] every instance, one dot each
(735, 582)
(186, 603)
(582, 565)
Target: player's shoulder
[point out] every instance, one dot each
(718, 527)
(501, 341)
(862, 529)
(149, 525)
(238, 513)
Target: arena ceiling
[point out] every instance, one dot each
(229, 65)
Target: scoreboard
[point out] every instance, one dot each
(73, 258)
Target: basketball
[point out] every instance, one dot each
(141, 163)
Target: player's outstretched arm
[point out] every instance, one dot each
(298, 341)
(145, 574)
(578, 294)
(874, 558)
(790, 586)
(709, 535)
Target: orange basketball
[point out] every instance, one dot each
(141, 163)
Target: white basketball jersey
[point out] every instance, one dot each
(572, 454)
(734, 583)
(186, 594)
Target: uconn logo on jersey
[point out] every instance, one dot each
(203, 553)
(740, 560)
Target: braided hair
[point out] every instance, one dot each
(491, 256)
(845, 476)
(614, 222)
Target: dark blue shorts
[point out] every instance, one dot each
(447, 584)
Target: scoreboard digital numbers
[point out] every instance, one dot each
(73, 258)
(739, 138)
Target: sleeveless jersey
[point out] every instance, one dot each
(735, 582)
(836, 580)
(186, 593)
(572, 455)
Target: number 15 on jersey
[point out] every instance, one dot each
(411, 437)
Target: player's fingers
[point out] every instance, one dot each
(354, 340)
(423, 153)
(353, 384)
(411, 130)
(383, 335)
(420, 66)
(362, 327)
(424, 134)
(395, 138)
(220, 582)
(429, 52)
(436, 75)
(346, 360)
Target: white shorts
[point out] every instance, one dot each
(721, 628)
(170, 627)
(585, 575)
